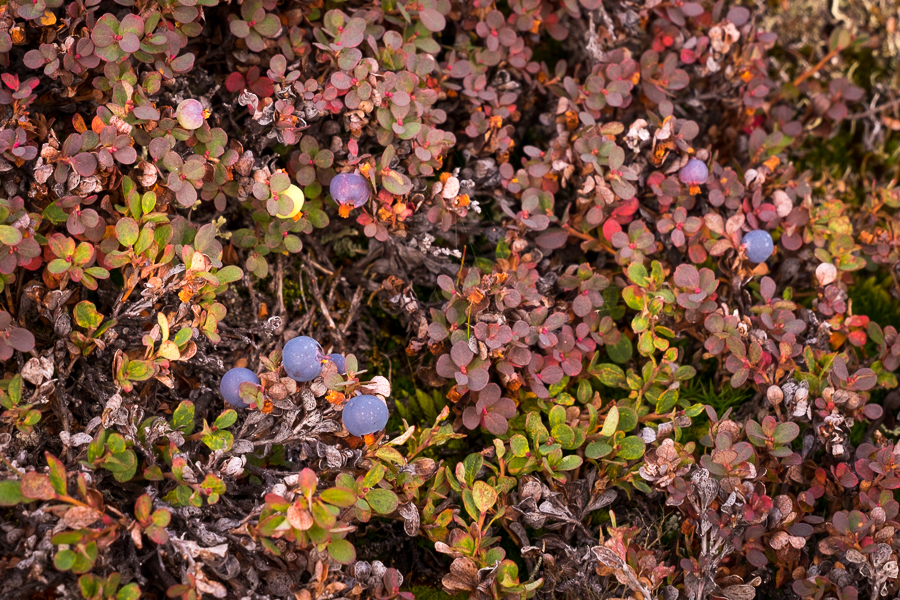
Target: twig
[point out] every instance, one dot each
(351, 313)
(303, 294)
(810, 72)
(874, 111)
(319, 267)
(279, 285)
(317, 294)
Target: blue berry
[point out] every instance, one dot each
(694, 172)
(302, 358)
(759, 245)
(364, 415)
(338, 360)
(349, 188)
(230, 388)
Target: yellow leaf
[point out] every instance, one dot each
(48, 18)
(169, 350)
(611, 422)
(163, 325)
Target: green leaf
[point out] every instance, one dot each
(631, 448)
(339, 496)
(565, 435)
(519, 445)
(10, 493)
(116, 443)
(472, 465)
(384, 502)
(144, 240)
(469, 504)
(183, 417)
(484, 496)
(573, 461)
(786, 432)
(597, 450)
(129, 592)
(391, 455)
(375, 474)
(127, 231)
(66, 537)
(628, 419)
(666, 401)
(229, 274)
(637, 273)
(219, 440)
(322, 516)
(139, 370)
(148, 202)
(90, 586)
(611, 422)
(610, 375)
(226, 419)
(64, 560)
(342, 551)
(57, 473)
(557, 416)
(10, 235)
(121, 464)
(84, 560)
(86, 315)
(15, 389)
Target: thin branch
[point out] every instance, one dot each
(876, 110)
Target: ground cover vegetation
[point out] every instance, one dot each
(624, 273)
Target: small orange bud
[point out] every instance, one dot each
(344, 210)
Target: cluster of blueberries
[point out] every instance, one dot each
(757, 243)
(302, 359)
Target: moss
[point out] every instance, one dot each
(424, 592)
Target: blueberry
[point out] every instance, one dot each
(190, 114)
(364, 415)
(338, 360)
(759, 245)
(302, 358)
(694, 172)
(230, 387)
(349, 188)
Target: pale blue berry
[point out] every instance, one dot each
(302, 358)
(694, 172)
(758, 245)
(230, 387)
(364, 415)
(338, 360)
(349, 188)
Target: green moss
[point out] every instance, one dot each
(424, 592)
(871, 298)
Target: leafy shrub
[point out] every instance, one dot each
(636, 336)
